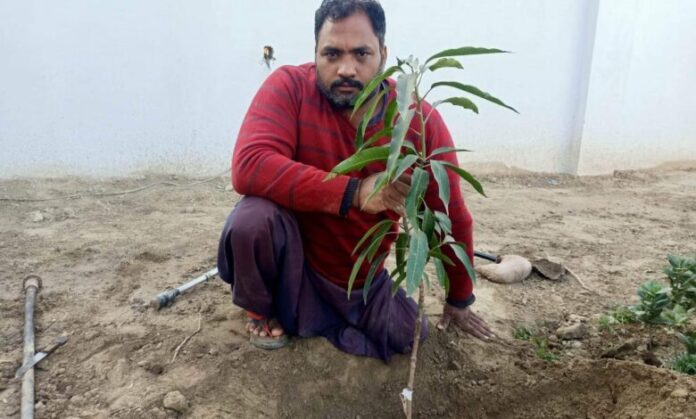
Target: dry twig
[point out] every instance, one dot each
(577, 278)
(181, 345)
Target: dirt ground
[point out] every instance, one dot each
(103, 255)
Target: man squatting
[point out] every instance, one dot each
(286, 248)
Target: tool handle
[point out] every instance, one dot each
(165, 298)
(487, 256)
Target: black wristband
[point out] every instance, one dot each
(462, 303)
(347, 200)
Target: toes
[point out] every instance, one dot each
(276, 328)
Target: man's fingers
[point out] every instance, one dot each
(401, 187)
(444, 322)
(405, 178)
(482, 329)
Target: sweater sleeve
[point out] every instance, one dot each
(262, 162)
(461, 286)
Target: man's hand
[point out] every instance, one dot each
(391, 197)
(466, 320)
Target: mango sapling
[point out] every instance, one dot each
(423, 234)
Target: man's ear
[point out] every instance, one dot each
(383, 53)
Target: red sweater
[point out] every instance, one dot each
(291, 137)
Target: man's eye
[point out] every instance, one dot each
(363, 54)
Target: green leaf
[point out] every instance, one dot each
(467, 177)
(371, 274)
(419, 184)
(458, 101)
(442, 180)
(428, 223)
(372, 85)
(397, 141)
(459, 251)
(377, 241)
(371, 231)
(410, 147)
(445, 62)
(359, 134)
(444, 221)
(400, 249)
(436, 253)
(368, 115)
(404, 163)
(390, 113)
(397, 282)
(417, 258)
(359, 160)
(354, 273)
(474, 91)
(442, 150)
(458, 52)
(384, 132)
(441, 274)
(405, 87)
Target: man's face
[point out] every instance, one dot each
(348, 56)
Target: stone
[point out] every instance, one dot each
(680, 393)
(454, 366)
(175, 401)
(36, 216)
(118, 373)
(574, 331)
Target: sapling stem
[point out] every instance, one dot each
(407, 400)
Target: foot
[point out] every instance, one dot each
(265, 333)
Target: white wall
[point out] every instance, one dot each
(108, 88)
(641, 107)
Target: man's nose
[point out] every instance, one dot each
(347, 69)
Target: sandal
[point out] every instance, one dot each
(268, 342)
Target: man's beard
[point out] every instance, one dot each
(341, 101)
(338, 100)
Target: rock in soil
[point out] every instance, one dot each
(574, 331)
(176, 401)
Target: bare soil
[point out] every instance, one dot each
(104, 248)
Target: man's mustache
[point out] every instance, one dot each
(346, 83)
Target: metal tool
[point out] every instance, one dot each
(60, 341)
(487, 256)
(32, 284)
(166, 298)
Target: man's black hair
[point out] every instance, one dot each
(341, 9)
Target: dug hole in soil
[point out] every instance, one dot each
(103, 255)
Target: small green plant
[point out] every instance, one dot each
(424, 233)
(685, 363)
(689, 341)
(542, 349)
(621, 315)
(522, 333)
(541, 343)
(653, 299)
(681, 273)
(676, 316)
(673, 305)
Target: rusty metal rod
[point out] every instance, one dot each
(32, 284)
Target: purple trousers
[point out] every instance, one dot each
(261, 257)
